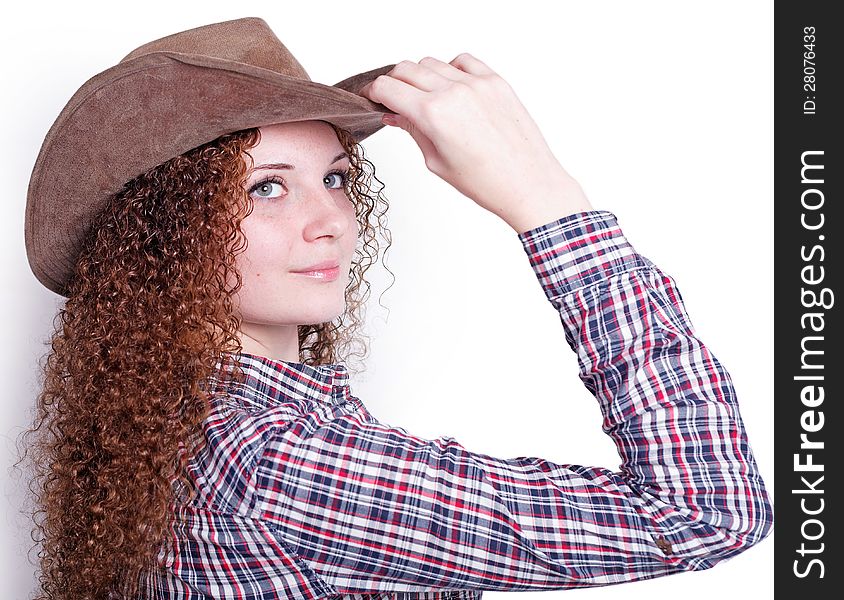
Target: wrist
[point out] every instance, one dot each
(539, 207)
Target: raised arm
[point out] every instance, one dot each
(369, 507)
(668, 403)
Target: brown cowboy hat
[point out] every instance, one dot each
(163, 99)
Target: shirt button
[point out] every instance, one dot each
(349, 405)
(664, 545)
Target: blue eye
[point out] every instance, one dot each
(343, 177)
(268, 188)
(273, 186)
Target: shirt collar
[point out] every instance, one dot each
(270, 380)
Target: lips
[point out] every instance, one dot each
(322, 266)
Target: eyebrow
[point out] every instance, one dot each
(291, 167)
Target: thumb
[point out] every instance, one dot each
(425, 145)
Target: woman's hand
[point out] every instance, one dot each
(476, 135)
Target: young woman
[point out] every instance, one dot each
(208, 213)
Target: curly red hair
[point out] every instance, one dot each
(148, 319)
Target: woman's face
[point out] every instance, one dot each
(301, 217)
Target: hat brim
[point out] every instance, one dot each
(143, 112)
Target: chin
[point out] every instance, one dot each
(313, 315)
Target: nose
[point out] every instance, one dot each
(325, 214)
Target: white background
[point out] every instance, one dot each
(663, 111)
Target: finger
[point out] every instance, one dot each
(397, 95)
(443, 68)
(419, 76)
(468, 63)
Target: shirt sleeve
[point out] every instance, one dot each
(370, 507)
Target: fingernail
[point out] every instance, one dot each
(388, 119)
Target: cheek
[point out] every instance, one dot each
(267, 253)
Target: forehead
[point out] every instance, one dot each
(314, 141)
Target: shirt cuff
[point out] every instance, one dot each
(578, 250)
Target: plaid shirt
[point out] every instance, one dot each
(302, 493)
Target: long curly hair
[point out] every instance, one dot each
(148, 321)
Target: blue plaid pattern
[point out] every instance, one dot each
(302, 493)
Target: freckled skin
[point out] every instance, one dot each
(308, 220)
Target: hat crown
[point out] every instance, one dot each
(249, 40)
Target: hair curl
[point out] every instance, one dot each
(148, 321)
